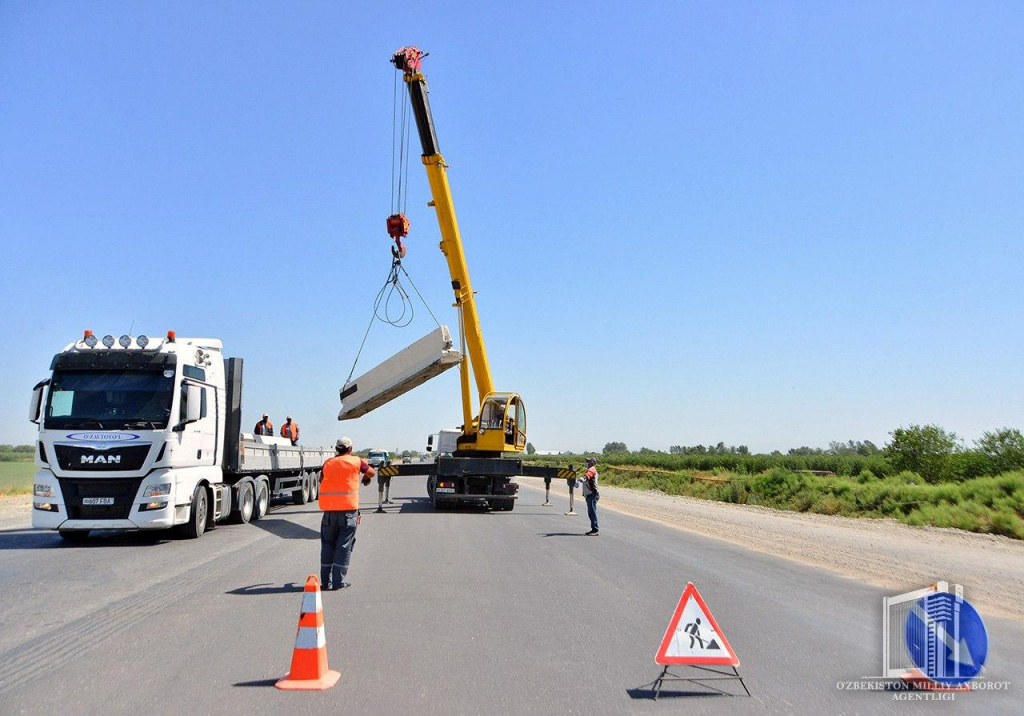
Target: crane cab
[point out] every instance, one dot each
(501, 426)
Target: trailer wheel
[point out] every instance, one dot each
(74, 535)
(262, 501)
(196, 525)
(301, 496)
(314, 486)
(245, 505)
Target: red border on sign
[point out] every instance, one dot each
(661, 658)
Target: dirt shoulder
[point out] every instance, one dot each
(883, 552)
(16, 512)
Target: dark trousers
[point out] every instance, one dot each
(337, 538)
(592, 509)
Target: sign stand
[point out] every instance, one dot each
(666, 675)
(694, 639)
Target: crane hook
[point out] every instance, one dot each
(398, 228)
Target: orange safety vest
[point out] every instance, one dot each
(286, 431)
(339, 488)
(264, 428)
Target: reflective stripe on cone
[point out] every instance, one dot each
(309, 657)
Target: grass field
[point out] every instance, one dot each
(16, 477)
(991, 504)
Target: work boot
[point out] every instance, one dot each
(592, 533)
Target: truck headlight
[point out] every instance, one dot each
(42, 490)
(164, 488)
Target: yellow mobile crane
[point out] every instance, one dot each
(500, 424)
(478, 467)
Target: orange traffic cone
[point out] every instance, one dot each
(309, 659)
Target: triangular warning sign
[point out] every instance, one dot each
(693, 635)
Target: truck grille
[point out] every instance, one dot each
(128, 457)
(123, 491)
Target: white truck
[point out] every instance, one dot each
(144, 434)
(378, 458)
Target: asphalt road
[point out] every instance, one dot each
(469, 612)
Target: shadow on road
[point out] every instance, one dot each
(416, 504)
(38, 539)
(267, 588)
(647, 692)
(260, 682)
(286, 529)
(562, 534)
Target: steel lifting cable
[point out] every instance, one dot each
(400, 135)
(392, 286)
(394, 120)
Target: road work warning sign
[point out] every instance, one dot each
(693, 635)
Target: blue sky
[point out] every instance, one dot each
(774, 224)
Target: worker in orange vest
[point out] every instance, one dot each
(339, 500)
(290, 430)
(264, 427)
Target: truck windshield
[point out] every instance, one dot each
(110, 399)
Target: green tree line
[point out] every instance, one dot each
(931, 452)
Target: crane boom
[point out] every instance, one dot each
(512, 417)
(408, 60)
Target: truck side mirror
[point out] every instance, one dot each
(193, 405)
(430, 443)
(36, 405)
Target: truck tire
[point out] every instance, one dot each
(301, 496)
(246, 502)
(198, 515)
(74, 536)
(314, 486)
(262, 502)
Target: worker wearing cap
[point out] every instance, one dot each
(339, 500)
(591, 495)
(290, 430)
(264, 427)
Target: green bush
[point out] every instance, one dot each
(967, 465)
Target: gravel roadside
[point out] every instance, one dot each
(16, 512)
(880, 551)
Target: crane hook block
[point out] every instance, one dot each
(398, 226)
(408, 59)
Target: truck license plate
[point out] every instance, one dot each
(445, 489)
(97, 500)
